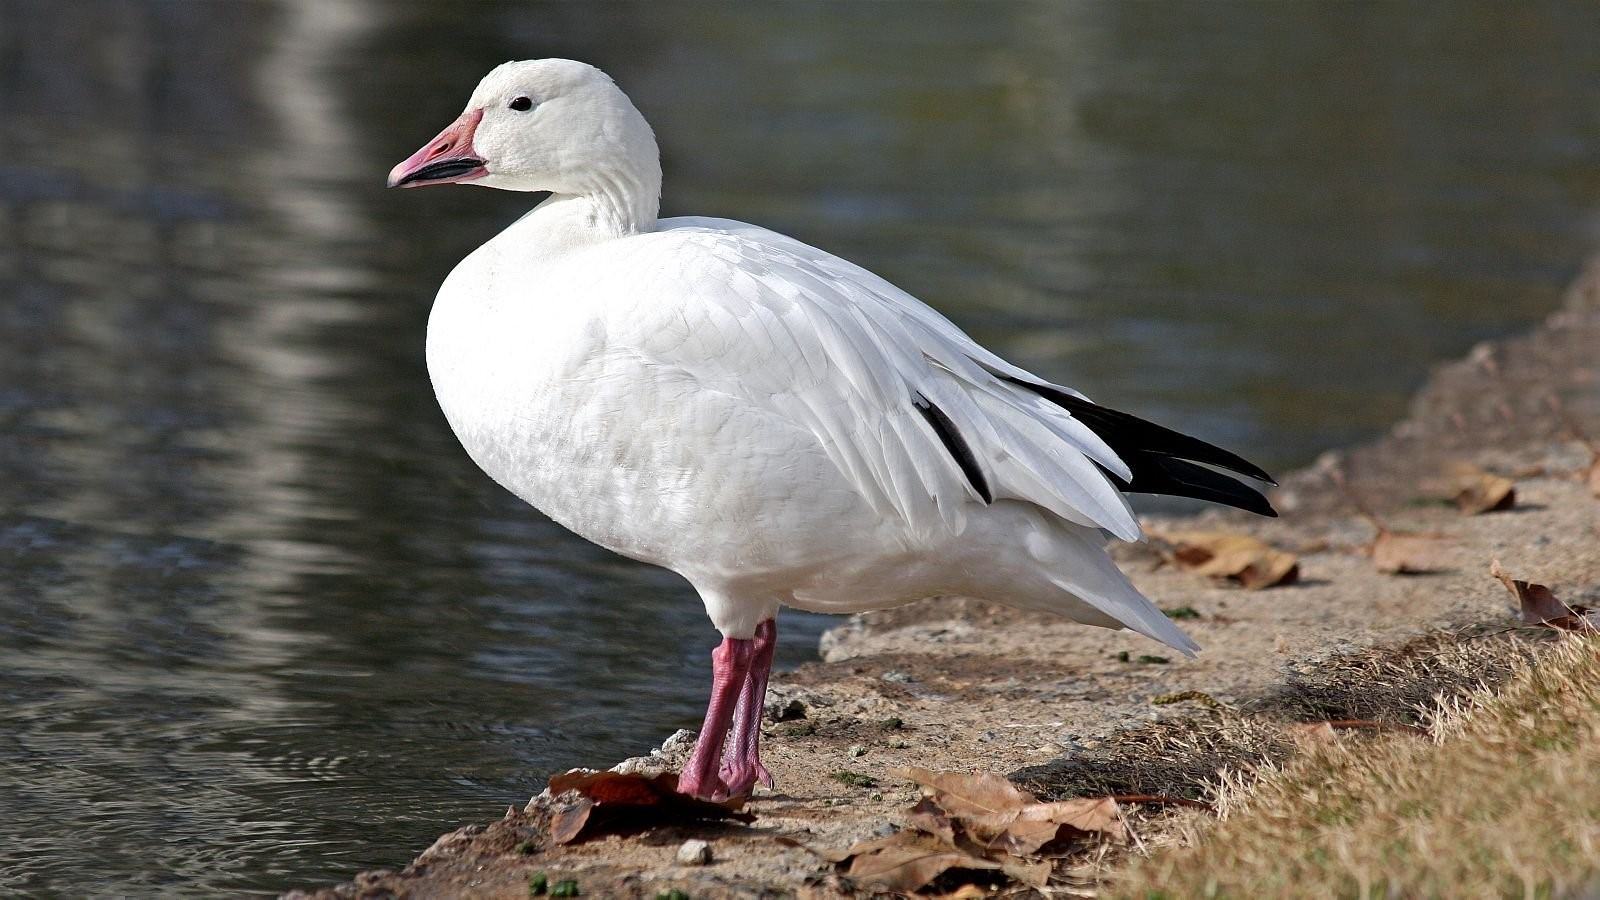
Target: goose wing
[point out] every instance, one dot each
(924, 423)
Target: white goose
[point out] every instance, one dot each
(777, 425)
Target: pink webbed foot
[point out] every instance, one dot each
(739, 779)
(739, 671)
(741, 756)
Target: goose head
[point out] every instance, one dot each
(546, 125)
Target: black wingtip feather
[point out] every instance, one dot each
(954, 444)
(1155, 474)
(1131, 432)
(1163, 461)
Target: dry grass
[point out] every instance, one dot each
(1503, 800)
(1400, 684)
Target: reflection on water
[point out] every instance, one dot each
(261, 621)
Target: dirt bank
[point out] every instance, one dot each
(1071, 711)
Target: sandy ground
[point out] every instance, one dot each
(1067, 710)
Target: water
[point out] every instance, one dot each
(263, 624)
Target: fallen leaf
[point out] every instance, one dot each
(1476, 491)
(974, 822)
(613, 803)
(1403, 553)
(1026, 830)
(928, 818)
(1538, 605)
(1236, 557)
(997, 815)
(964, 796)
(907, 861)
(569, 820)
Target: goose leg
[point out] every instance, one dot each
(730, 666)
(741, 755)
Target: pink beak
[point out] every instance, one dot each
(446, 159)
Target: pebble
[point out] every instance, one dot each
(694, 853)
(784, 712)
(682, 739)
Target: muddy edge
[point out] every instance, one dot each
(1068, 710)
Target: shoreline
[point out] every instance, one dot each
(1068, 711)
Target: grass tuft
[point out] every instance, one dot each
(1500, 802)
(855, 779)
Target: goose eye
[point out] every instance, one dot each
(522, 104)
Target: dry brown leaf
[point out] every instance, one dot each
(1477, 491)
(907, 861)
(1402, 553)
(570, 819)
(974, 822)
(1236, 557)
(965, 796)
(1023, 831)
(614, 803)
(997, 816)
(928, 818)
(1538, 605)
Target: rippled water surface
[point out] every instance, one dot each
(261, 621)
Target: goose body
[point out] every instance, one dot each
(779, 426)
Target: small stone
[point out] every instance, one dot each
(694, 853)
(857, 751)
(779, 711)
(682, 739)
(641, 765)
(372, 879)
(897, 677)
